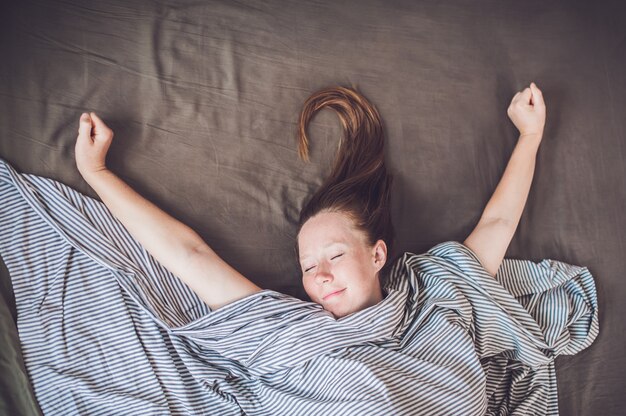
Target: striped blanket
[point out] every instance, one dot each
(105, 329)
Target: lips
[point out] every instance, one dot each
(336, 292)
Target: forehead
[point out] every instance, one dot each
(327, 228)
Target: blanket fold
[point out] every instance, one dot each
(106, 329)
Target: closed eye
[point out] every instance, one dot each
(332, 258)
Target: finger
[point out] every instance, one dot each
(84, 125)
(99, 125)
(97, 120)
(535, 88)
(537, 94)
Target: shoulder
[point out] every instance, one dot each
(444, 253)
(451, 248)
(444, 249)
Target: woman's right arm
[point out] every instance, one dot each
(173, 244)
(214, 280)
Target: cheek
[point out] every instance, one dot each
(358, 275)
(351, 272)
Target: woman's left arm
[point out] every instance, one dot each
(496, 227)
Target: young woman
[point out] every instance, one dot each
(345, 233)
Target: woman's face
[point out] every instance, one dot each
(339, 268)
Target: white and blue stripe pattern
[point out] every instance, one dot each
(105, 329)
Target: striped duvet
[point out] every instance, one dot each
(105, 329)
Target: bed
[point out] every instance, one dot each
(204, 99)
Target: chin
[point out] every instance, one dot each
(339, 314)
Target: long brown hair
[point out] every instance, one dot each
(359, 184)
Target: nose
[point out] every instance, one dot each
(323, 274)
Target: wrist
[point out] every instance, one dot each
(531, 136)
(533, 139)
(90, 174)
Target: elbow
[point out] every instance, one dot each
(499, 221)
(201, 249)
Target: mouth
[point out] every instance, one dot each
(335, 293)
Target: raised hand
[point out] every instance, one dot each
(92, 144)
(528, 111)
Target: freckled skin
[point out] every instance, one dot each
(334, 255)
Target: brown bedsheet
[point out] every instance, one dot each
(204, 98)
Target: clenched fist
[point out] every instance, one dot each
(528, 111)
(92, 144)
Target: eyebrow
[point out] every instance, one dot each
(304, 257)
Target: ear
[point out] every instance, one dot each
(379, 252)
